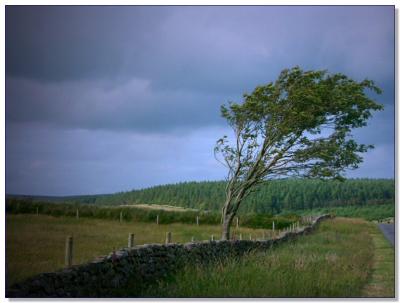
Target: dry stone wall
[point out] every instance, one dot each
(139, 265)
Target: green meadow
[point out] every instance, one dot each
(343, 258)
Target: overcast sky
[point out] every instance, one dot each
(106, 99)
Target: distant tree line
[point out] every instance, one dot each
(272, 198)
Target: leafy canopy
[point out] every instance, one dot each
(298, 125)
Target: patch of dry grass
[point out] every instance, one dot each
(159, 207)
(36, 244)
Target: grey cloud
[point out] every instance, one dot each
(199, 48)
(64, 42)
(94, 104)
(59, 59)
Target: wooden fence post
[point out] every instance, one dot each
(273, 229)
(212, 237)
(77, 213)
(131, 240)
(197, 220)
(157, 220)
(237, 222)
(240, 236)
(168, 237)
(120, 217)
(68, 251)
(250, 237)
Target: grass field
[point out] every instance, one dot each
(36, 244)
(343, 258)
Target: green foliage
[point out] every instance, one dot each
(298, 125)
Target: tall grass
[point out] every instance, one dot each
(336, 261)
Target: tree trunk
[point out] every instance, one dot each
(226, 226)
(229, 211)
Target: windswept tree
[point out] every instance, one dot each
(299, 125)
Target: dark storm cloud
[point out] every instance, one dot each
(107, 98)
(196, 49)
(61, 59)
(63, 42)
(56, 43)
